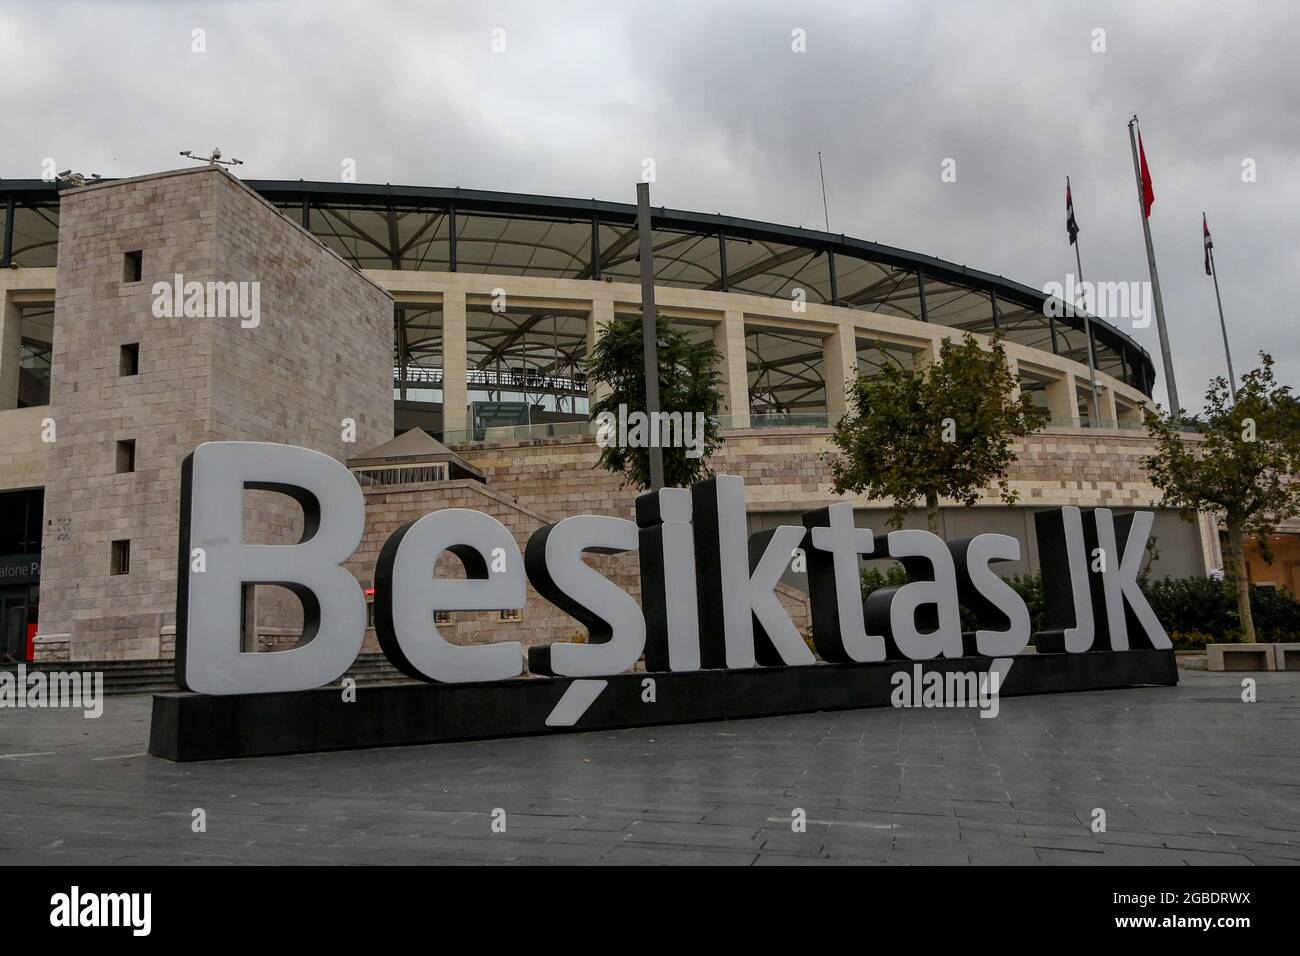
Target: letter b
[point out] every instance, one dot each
(209, 659)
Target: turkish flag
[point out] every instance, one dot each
(1148, 192)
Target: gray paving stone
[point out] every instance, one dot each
(1187, 775)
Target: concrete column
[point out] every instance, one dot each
(455, 391)
(1062, 403)
(601, 314)
(1014, 366)
(927, 355)
(729, 337)
(1130, 414)
(1109, 412)
(840, 363)
(11, 341)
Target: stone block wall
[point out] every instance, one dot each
(541, 622)
(321, 352)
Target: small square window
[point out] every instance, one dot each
(128, 362)
(121, 561)
(133, 266)
(126, 456)
(444, 617)
(512, 614)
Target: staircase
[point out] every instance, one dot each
(158, 676)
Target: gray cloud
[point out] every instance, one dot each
(734, 120)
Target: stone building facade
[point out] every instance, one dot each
(137, 392)
(335, 324)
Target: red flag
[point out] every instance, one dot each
(1148, 191)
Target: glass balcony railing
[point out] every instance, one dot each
(1085, 423)
(546, 430)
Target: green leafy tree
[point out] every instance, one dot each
(1242, 464)
(689, 377)
(942, 431)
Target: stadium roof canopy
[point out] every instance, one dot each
(384, 227)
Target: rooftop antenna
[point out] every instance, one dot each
(212, 160)
(822, 173)
(69, 178)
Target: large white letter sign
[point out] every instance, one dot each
(672, 640)
(1067, 594)
(835, 586)
(210, 585)
(1125, 601)
(613, 620)
(928, 599)
(989, 597)
(407, 594)
(735, 586)
(776, 640)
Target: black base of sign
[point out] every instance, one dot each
(199, 727)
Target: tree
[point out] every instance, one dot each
(1241, 465)
(945, 430)
(689, 378)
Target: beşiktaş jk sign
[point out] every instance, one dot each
(708, 598)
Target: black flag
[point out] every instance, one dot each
(1071, 226)
(1209, 244)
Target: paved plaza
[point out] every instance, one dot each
(1185, 775)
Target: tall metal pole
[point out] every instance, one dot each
(1087, 329)
(825, 209)
(649, 333)
(1227, 352)
(1174, 408)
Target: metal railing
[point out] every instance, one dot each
(493, 379)
(1085, 423)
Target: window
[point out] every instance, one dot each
(128, 362)
(512, 614)
(121, 559)
(444, 617)
(34, 363)
(126, 456)
(133, 266)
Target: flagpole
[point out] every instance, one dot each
(1227, 352)
(649, 331)
(1175, 409)
(1087, 325)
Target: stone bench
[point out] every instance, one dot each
(1241, 657)
(1288, 656)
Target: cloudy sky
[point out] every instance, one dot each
(734, 117)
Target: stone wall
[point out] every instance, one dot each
(23, 461)
(786, 474)
(541, 622)
(320, 353)
(784, 470)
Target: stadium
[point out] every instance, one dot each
(450, 326)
